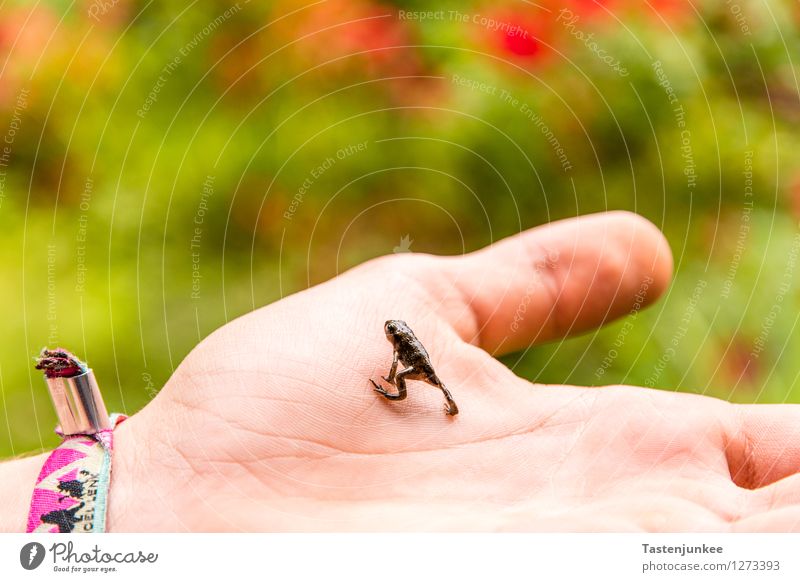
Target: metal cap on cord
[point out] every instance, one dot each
(79, 404)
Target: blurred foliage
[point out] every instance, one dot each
(134, 129)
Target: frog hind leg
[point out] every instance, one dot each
(399, 382)
(450, 407)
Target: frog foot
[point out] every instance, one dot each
(450, 408)
(378, 388)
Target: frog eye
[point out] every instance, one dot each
(391, 327)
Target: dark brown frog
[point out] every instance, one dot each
(410, 352)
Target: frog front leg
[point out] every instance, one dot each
(393, 370)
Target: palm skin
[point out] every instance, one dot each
(271, 423)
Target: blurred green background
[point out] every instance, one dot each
(164, 169)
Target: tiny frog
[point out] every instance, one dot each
(409, 351)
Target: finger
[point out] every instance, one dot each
(556, 280)
(764, 444)
(772, 508)
(782, 520)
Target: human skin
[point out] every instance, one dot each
(271, 423)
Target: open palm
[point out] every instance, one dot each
(271, 423)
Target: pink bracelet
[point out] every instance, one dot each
(71, 492)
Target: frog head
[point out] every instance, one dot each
(393, 328)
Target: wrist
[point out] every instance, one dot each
(17, 478)
(139, 482)
(124, 471)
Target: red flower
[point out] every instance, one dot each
(597, 8)
(354, 40)
(522, 33)
(24, 34)
(591, 6)
(522, 44)
(27, 30)
(366, 34)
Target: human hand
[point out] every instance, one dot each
(271, 423)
